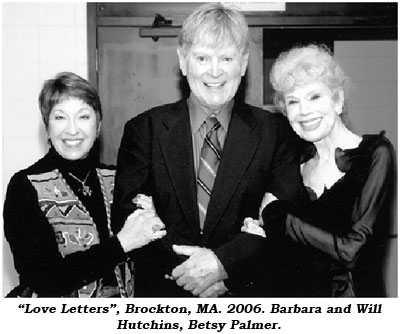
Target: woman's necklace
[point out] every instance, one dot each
(85, 190)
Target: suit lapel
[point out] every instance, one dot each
(176, 143)
(239, 148)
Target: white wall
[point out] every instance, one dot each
(39, 40)
(372, 66)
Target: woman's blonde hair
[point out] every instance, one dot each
(305, 64)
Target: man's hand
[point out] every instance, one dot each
(215, 290)
(200, 271)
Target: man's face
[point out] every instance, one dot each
(213, 74)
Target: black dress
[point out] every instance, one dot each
(336, 244)
(35, 245)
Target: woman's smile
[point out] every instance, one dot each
(73, 128)
(73, 143)
(311, 124)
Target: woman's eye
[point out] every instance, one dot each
(201, 58)
(58, 117)
(291, 102)
(315, 97)
(84, 117)
(228, 59)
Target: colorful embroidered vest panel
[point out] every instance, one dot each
(73, 227)
(72, 224)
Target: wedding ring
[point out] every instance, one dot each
(168, 277)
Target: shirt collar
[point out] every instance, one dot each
(198, 115)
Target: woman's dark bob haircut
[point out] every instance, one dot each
(66, 85)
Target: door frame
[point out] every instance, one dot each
(378, 17)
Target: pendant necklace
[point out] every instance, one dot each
(85, 190)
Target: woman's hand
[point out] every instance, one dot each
(253, 226)
(144, 202)
(140, 228)
(267, 199)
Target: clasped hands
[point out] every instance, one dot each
(142, 226)
(202, 273)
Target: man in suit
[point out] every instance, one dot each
(207, 162)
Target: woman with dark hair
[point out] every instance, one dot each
(57, 211)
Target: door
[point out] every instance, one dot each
(134, 75)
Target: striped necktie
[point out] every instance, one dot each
(208, 166)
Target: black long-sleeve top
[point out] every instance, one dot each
(39, 263)
(341, 236)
